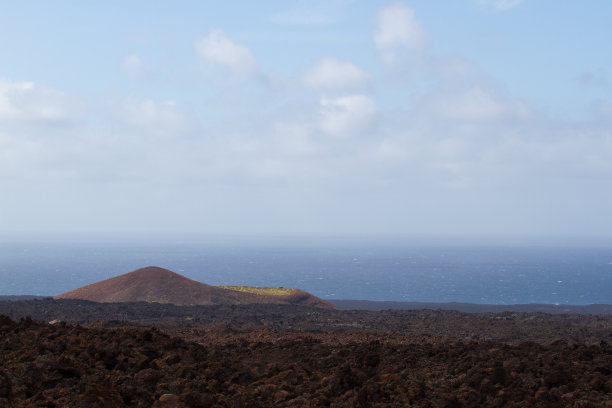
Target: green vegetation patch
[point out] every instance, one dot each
(260, 290)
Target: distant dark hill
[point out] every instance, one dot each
(16, 298)
(159, 285)
(471, 307)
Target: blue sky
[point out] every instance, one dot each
(306, 117)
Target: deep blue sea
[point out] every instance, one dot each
(496, 274)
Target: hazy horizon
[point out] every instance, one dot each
(295, 240)
(306, 119)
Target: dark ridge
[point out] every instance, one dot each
(472, 307)
(510, 327)
(14, 298)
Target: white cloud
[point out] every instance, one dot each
(438, 148)
(476, 104)
(397, 28)
(498, 5)
(22, 100)
(346, 115)
(133, 65)
(9, 91)
(331, 74)
(219, 49)
(117, 141)
(154, 116)
(454, 68)
(294, 140)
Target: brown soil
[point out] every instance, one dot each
(64, 365)
(159, 285)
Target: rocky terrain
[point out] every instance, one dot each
(264, 347)
(64, 365)
(509, 327)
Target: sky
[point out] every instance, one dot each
(334, 117)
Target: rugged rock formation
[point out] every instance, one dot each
(505, 327)
(159, 285)
(62, 365)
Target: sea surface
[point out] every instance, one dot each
(394, 271)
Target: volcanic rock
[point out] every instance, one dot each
(159, 285)
(65, 365)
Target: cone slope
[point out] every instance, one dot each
(159, 285)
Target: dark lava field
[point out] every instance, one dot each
(153, 355)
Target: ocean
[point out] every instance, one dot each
(332, 269)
